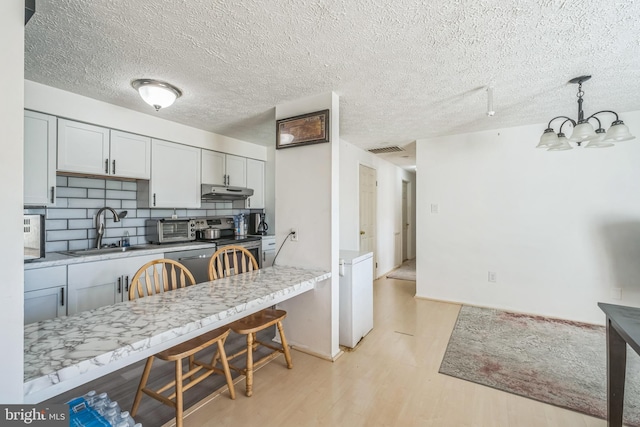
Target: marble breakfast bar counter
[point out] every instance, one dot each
(63, 353)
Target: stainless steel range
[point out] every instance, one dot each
(197, 260)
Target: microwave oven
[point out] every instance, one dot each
(33, 237)
(170, 230)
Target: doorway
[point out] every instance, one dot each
(368, 184)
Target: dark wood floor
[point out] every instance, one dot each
(122, 384)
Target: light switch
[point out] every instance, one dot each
(435, 208)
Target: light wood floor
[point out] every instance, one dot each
(391, 379)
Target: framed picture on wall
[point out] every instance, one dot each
(311, 128)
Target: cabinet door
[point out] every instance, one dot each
(267, 258)
(39, 159)
(255, 180)
(213, 168)
(130, 155)
(82, 148)
(100, 283)
(236, 168)
(44, 304)
(175, 175)
(45, 295)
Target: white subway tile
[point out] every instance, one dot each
(96, 193)
(61, 181)
(76, 245)
(55, 246)
(80, 223)
(55, 213)
(129, 204)
(66, 235)
(55, 224)
(120, 194)
(85, 203)
(114, 185)
(129, 185)
(86, 182)
(71, 192)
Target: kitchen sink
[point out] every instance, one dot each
(96, 251)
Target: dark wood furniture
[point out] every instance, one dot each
(623, 327)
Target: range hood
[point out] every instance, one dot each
(220, 192)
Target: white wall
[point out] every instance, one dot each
(50, 100)
(388, 208)
(11, 145)
(560, 229)
(306, 198)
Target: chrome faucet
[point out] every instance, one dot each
(100, 224)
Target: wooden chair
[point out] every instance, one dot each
(174, 275)
(231, 260)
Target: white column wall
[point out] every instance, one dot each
(560, 229)
(388, 204)
(306, 198)
(57, 102)
(11, 172)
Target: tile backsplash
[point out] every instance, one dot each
(70, 225)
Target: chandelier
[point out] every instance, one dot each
(583, 130)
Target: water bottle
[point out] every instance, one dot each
(100, 407)
(114, 405)
(126, 240)
(112, 416)
(90, 397)
(124, 415)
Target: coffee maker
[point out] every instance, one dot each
(257, 225)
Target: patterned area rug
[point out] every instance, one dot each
(407, 271)
(555, 361)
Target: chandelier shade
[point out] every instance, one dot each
(156, 93)
(583, 130)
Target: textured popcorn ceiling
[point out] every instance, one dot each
(404, 69)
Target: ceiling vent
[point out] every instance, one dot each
(385, 150)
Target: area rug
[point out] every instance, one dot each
(555, 361)
(407, 271)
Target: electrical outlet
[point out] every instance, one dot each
(435, 208)
(493, 278)
(294, 234)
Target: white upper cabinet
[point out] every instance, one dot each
(130, 155)
(82, 148)
(89, 149)
(255, 180)
(213, 168)
(39, 159)
(223, 169)
(175, 176)
(236, 171)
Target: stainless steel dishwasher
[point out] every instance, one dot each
(196, 260)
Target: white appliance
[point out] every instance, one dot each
(356, 296)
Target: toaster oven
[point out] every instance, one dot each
(170, 230)
(33, 237)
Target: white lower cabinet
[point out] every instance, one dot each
(96, 284)
(45, 293)
(268, 250)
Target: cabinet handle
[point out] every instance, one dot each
(53, 194)
(106, 166)
(119, 285)
(154, 199)
(264, 256)
(113, 168)
(249, 201)
(126, 284)
(62, 297)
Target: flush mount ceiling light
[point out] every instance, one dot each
(583, 130)
(156, 93)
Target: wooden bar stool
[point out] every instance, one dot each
(231, 260)
(173, 275)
